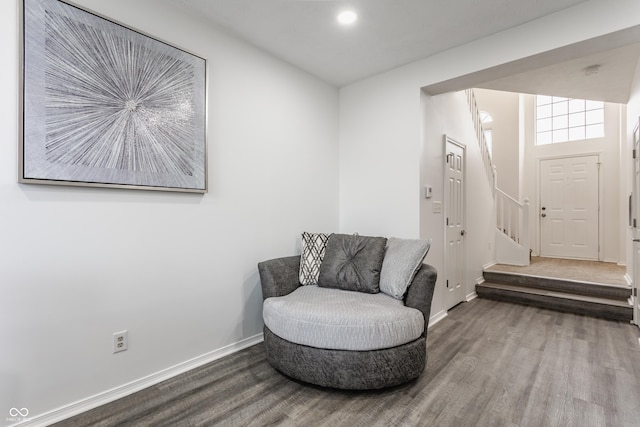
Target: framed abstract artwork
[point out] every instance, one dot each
(105, 105)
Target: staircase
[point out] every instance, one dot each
(512, 216)
(480, 135)
(573, 296)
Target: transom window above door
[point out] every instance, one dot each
(561, 119)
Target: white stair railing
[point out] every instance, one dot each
(512, 234)
(512, 219)
(482, 140)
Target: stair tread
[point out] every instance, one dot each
(561, 285)
(556, 294)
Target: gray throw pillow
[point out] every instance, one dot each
(352, 263)
(313, 247)
(402, 260)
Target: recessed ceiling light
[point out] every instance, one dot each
(347, 17)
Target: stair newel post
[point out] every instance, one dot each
(525, 230)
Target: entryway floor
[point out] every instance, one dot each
(588, 271)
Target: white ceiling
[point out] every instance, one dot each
(391, 33)
(610, 81)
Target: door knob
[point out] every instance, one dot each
(543, 215)
(463, 233)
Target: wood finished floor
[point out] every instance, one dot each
(490, 364)
(589, 271)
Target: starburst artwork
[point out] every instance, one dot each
(105, 105)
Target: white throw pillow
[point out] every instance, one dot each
(313, 249)
(402, 259)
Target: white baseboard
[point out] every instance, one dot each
(124, 390)
(473, 295)
(437, 317)
(628, 279)
(491, 264)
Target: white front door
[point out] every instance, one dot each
(569, 204)
(454, 222)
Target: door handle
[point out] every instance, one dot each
(450, 155)
(543, 208)
(636, 240)
(543, 215)
(463, 233)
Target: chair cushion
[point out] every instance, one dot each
(353, 263)
(342, 320)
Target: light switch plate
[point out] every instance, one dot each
(427, 191)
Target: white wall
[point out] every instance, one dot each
(608, 149)
(380, 117)
(448, 114)
(379, 157)
(504, 108)
(178, 271)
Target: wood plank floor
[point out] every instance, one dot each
(588, 271)
(490, 364)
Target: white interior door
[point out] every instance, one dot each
(569, 205)
(636, 277)
(454, 221)
(636, 225)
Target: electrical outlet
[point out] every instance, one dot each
(120, 341)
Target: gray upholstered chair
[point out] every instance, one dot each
(340, 368)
